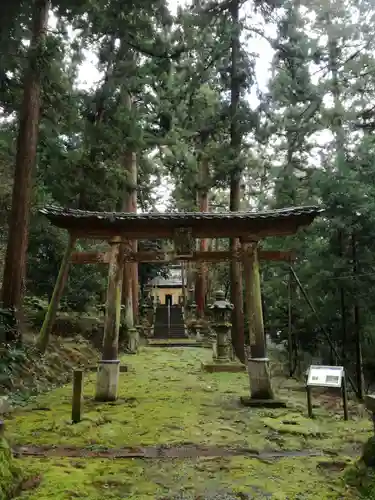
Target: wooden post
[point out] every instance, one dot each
(53, 306)
(345, 398)
(113, 304)
(183, 281)
(290, 327)
(77, 396)
(258, 364)
(108, 369)
(309, 402)
(2, 428)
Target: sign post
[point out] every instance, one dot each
(330, 377)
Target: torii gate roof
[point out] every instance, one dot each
(107, 225)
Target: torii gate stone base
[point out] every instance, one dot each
(120, 229)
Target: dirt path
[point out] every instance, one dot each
(212, 446)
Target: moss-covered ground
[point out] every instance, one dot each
(166, 398)
(10, 471)
(26, 371)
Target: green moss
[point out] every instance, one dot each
(10, 473)
(64, 479)
(294, 423)
(362, 481)
(166, 398)
(368, 454)
(361, 476)
(39, 373)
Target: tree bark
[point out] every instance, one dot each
(201, 276)
(130, 285)
(134, 243)
(238, 336)
(189, 280)
(343, 305)
(337, 122)
(130, 277)
(357, 327)
(16, 254)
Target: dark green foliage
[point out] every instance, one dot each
(178, 76)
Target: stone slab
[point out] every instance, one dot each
(174, 343)
(223, 367)
(123, 368)
(107, 380)
(5, 405)
(167, 340)
(262, 403)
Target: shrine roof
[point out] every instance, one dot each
(161, 282)
(106, 225)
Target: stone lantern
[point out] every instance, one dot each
(208, 334)
(148, 307)
(133, 341)
(193, 310)
(221, 311)
(192, 322)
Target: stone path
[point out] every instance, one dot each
(158, 452)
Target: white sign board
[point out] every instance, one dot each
(325, 376)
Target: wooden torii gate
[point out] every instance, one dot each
(160, 257)
(183, 228)
(169, 257)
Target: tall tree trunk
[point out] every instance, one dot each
(201, 276)
(238, 337)
(189, 280)
(183, 282)
(130, 285)
(344, 329)
(340, 150)
(15, 260)
(357, 326)
(337, 122)
(209, 271)
(286, 189)
(130, 166)
(132, 207)
(134, 266)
